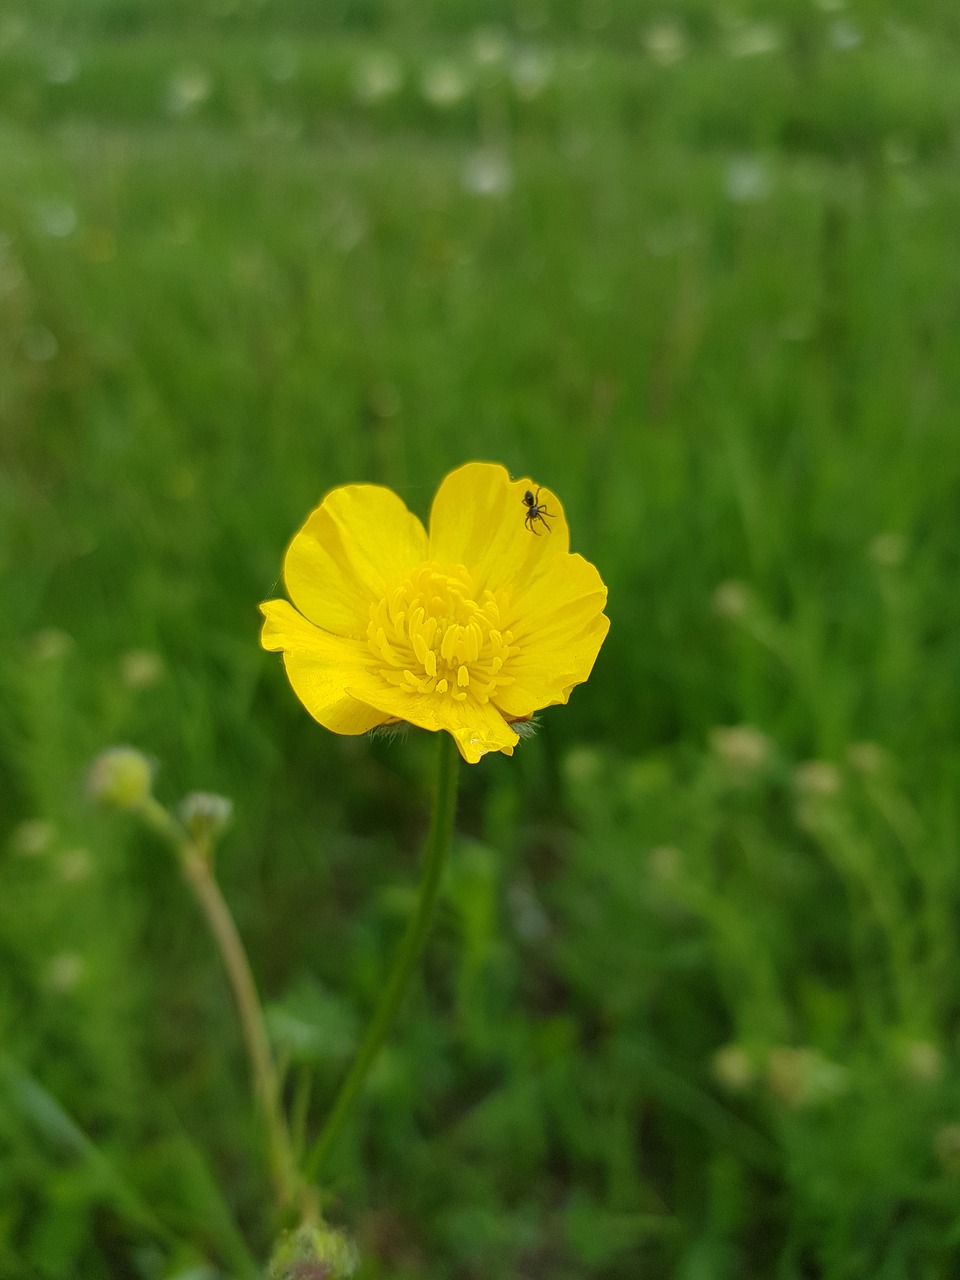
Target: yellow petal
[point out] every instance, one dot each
(558, 624)
(360, 538)
(477, 520)
(477, 729)
(319, 665)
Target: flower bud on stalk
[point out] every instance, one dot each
(205, 815)
(120, 778)
(313, 1253)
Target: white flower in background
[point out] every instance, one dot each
(909, 41)
(665, 43)
(754, 40)
(530, 921)
(531, 72)
(379, 76)
(55, 218)
(583, 766)
(205, 814)
(845, 35)
(817, 778)
(74, 866)
(282, 61)
(188, 89)
(803, 1077)
(741, 749)
(120, 778)
(39, 345)
(488, 47)
(64, 973)
(749, 180)
(733, 1068)
(444, 84)
(63, 66)
(868, 758)
(33, 837)
(922, 1061)
(897, 152)
(732, 600)
(666, 864)
(488, 172)
(348, 224)
(889, 550)
(140, 668)
(52, 645)
(13, 28)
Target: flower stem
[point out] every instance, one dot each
(196, 863)
(407, 954)
(199, 875)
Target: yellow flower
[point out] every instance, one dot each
(470, 629)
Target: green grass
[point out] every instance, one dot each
(715, 311)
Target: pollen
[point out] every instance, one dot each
(432, 636)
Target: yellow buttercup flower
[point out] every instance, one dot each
(470, 629)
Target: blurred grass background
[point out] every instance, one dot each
(690, 1010)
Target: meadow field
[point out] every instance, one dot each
(690, 1008)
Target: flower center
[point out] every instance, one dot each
(430, 635)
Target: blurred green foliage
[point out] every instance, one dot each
(690, 1009)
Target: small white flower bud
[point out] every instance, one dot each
(33, 837)
(52, 645)
(141, 668)
(121, 778)
(888, 550)
(922, 1061)
(732, 600)
(205, 814)
(666, 864)
(583, 765)
(74, 866)
(741, 749)
(817, 778)
(313, 1253)
(803, 1077)
(733, 1068)
(867, 758)
(64, 973)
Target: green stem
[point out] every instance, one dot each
(407, 954)
(196, 863)
(199, 875)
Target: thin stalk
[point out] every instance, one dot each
(199, 875)
(407, 954)
(196, 863)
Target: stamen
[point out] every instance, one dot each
(430, 635)
(473, 639)
(449, 644)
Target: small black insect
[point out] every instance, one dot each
(535, 511)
